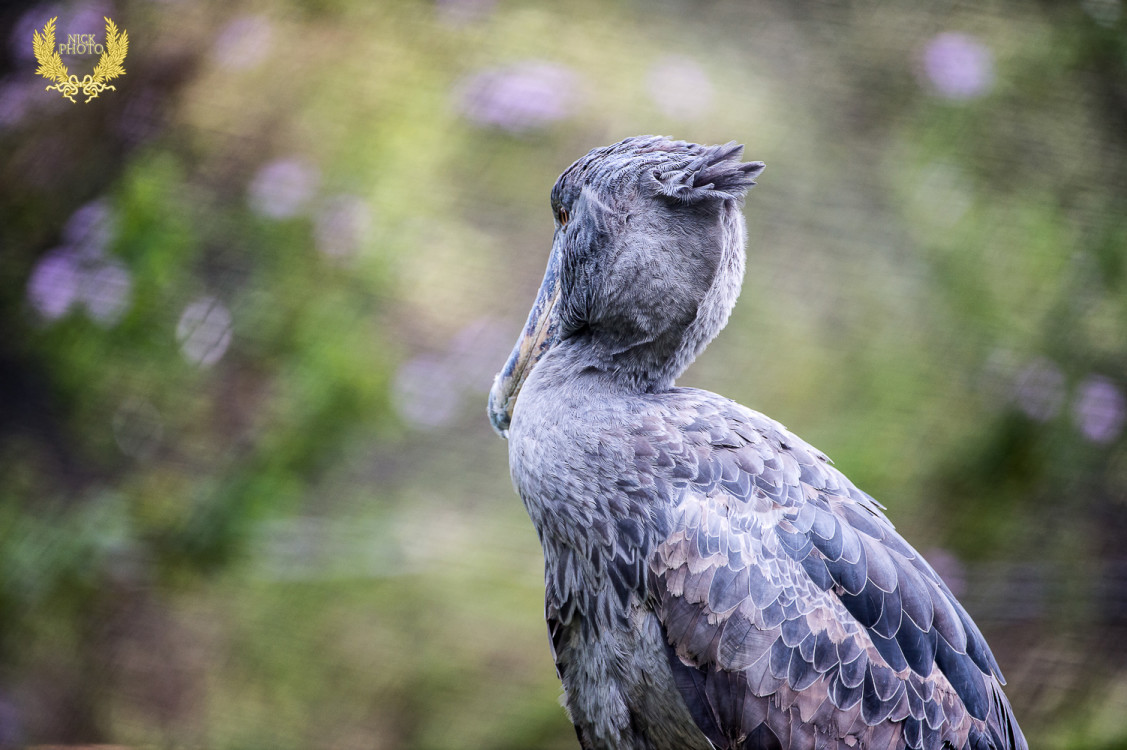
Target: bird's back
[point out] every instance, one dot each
(711, 578)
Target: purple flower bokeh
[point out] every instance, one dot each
(428, 389)
(1099, 409)
(1039, 390)
(53, 286)
(342, 226)
(520, 97)
(424, 390)
(204, 331)
(243, 43)
(680, 88)
(283, 188)
(958, 66)
(106, 290)
(91, 228)
(80, 272)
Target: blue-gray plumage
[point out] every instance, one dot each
(711, 580)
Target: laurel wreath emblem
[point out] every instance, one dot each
(110, 64)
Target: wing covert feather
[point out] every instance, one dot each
(789, 601)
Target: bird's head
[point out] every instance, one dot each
(646, 263)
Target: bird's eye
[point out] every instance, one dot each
(563, 216)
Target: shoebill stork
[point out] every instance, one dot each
(711, 580)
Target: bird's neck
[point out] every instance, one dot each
(644, 365)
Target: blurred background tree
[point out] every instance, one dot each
(255, 297)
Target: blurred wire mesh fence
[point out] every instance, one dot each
(256, 294)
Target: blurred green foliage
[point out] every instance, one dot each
(256, 296)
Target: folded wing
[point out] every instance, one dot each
(792, 609)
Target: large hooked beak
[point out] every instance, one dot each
(541, 333)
